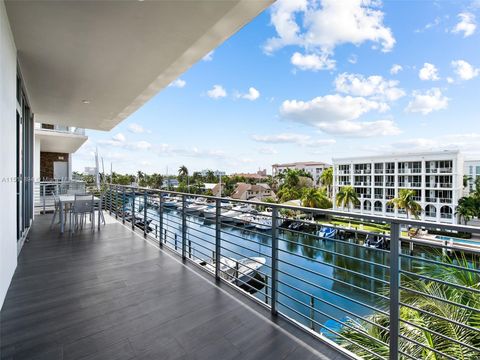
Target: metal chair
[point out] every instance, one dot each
(99, 207)
(83, 204)
(56, 210)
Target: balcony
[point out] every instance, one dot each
(60, 128)
(110, 294)
(165, 289)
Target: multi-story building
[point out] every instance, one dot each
(258, 191)
(313, 168)
(471, 169)
(54, 146)
(205, 172)
(436, 178)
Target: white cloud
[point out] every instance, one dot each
(352, 59)
(136, 128)
(464, 70)
(312, 61)
(208, 57)
(337, 114)
(267, 150)
(252, 95)
(467, 24)
(119, 137)
(141, 145)
(217, 92)
(179, 83)
(395, 69)
(293, 138)
(428, 72)
(428, 101)
(450, 80)
(328, 23)
(430, 25)
(373, 86)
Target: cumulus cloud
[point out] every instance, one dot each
(395, 69)
(428, 72)
(337, 114)
(208, 57)
(217, 92)
(119, 137)
(352, 59)
(311, 26)
(252, 95)
(464, 70)
(293, 138)
(136, 128)
(427, 101)
(373, 86)
(267, 150)
(312, 61)
(179, 83)
(466, 25)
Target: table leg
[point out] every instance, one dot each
(62, 225)
(99, 213)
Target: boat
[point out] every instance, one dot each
(376, 241)
(169, 202)
(327, 232)
(211, 212)
(236, 271)
(193, 207)
(263, 222)
(247, 220)
(231, 215)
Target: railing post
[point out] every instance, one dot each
(312, 312)
(133, 210)
(109, 192)
(218, 208)
(43, 198)
(184, 228)
(160, 220)
(394, 289)
(274, 276)
(116, 202)
(145, 214)
(124, 198)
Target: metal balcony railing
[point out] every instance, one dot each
(323, 277)
(44, 191)
(61, 128)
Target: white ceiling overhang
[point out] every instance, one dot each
(114, 54)
(56, 141)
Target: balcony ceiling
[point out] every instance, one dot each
(114, 54)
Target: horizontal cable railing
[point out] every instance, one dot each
(392, 288)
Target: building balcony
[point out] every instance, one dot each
(59, 138)
(111, 294)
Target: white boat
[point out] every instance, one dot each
(169, 202)
(327, 232)
(247, 220)
(211, 212)
(230, 216)
(193, 207)
(263, 222)
(236, 271)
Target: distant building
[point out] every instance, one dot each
(89, 170)
(313, 168)
(170, 183)
(259, 191)
(436, 178)
(216, 172)
(259, 175)
(471, 168)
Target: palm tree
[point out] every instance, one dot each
(466, 208)
(315, 198)
(466, 179)
(182, 171)
(454, 301)
(327, 180)
(292, 178)
(346, 197)
(405, 200)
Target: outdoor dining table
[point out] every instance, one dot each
(69, 200)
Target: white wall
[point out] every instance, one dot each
(8, 103)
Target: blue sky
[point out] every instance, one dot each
(312, 80)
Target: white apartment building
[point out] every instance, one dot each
(313, 168)
(471, 168)
(436, 178)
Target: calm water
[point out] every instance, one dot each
(308, 267)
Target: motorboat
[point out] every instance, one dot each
(169, 202)
(236, 271)
(376, 241)
(247, 220)
(263, 222)
(211, 212)
(327, 232)
(230, 216)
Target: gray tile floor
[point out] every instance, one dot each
(109, 294)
